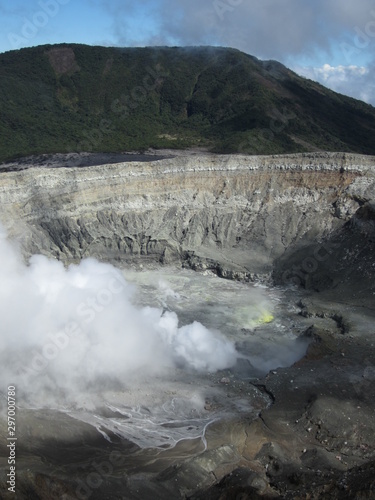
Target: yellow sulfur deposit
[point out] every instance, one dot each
(250, 317)
(266, 317)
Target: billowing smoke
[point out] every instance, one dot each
(68, 331)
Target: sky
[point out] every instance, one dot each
(330, 41)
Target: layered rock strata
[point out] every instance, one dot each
(234, 214)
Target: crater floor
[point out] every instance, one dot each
(294, 417)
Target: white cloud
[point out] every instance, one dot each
(264, 28)
(340, 30)
(355, 81)
(341, 73)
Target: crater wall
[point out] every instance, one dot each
(238, 215)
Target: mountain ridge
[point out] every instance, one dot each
(72, 98)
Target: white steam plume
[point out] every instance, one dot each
(65, 331)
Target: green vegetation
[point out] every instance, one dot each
(71, 97)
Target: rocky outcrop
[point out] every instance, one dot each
(234, 214)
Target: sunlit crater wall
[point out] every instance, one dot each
(234, 213)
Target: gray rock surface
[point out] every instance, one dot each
(234, 214)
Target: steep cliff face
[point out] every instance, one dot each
(235, 214)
